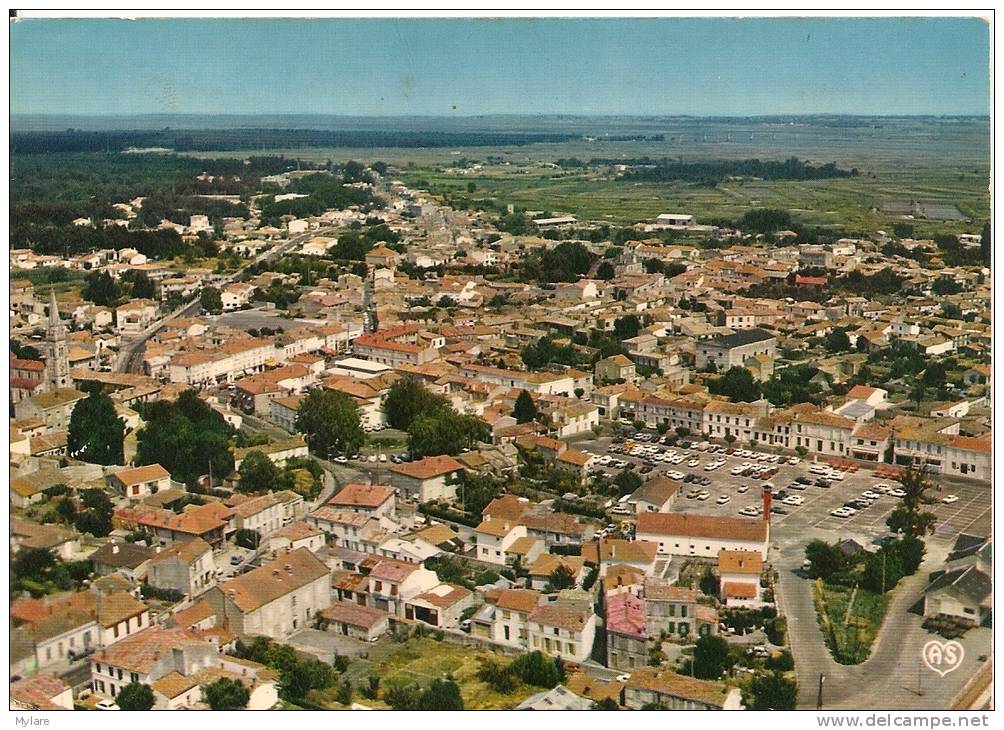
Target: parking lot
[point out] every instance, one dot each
(971, 512)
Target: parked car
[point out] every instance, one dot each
(743, 488)
(106, 705)
(950, 499)
(897, 492)
(723, 499)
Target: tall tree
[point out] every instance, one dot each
(96, 432)
(560, 579)
(96, 516)
(908, 516)
(186, 437)
(711, 657)
(442, 694)
(525, 409)
(626, 327)
(406, 399)
(142, 286)
(445, 432)
(330, 420)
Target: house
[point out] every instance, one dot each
(505, 620)
(545, 565)
(657, 686)
(655, 495)
(674, 611)
(559, 698)
(359, 622)
(560, 630)
(704, 535)
(31, 488)
(616, 368)
(135, 316)
(62, 542)
(394, 582)
(54, 407)
(371, 499)
(440, 606)
(147, 656)
(427, 479)
(187, 567)
(140, 481)
(627, 634)
(266, 513)
(296, 535)
(283, 595)
(734, 350)
(638, 554)
(494, 538)
(41, 692)
(124, 558)
(210, 522)
(739, 572)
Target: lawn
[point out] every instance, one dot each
(421, 660)
(849, 636)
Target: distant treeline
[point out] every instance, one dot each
(712, 172)
(203, 140)
(628, 138)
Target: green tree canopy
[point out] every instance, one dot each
(442, 694)
(565, 262)
(226, 694)
(560, 579)
(605, 271)
(525, 409)
(211, 300)
(96, 432)
(711, 657)
(135, 696)
(626, 327)
(825, 560)
(331, 421)
(96, 517)
(737, 384)
(406, 399)
(258, 474)
(186, 437)
(102, 289)
(772, 691)
(445, 432)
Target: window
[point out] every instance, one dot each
(683, 612)
(133, 677)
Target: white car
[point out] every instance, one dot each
(106, 705)
(794, 500)
(711, 466)
(677, 475)
(623, 677)
(750, 511)
(341, 460)
(371, 458)
(737, 470)
(818, 469)
(843, 512)
(693, 463)
(869, 494)
(882, 488)
(604, 460)
(950, 499)
(743, 488)
(724, 499)
(897, 492)
(704, 495)
(794, 460)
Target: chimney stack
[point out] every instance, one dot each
(115, 549)
(768, 497)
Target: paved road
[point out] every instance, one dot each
(893, 677)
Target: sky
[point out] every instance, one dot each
(464, 67)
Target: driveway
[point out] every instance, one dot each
(893, 677)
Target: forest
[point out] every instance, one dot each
(712, 172)
(206, 140)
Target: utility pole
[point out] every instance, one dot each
(819, 693)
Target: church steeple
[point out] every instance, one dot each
(57, 365)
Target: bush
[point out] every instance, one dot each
(161, 594)
(500, 678)
(782, 662)
(777, 631)
(537, 669)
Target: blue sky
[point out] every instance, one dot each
(515, 66)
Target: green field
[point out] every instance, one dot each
(901, 160)
(421, 660)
